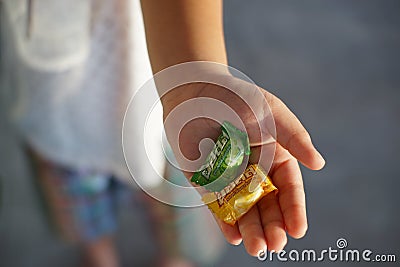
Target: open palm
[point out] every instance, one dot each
(266, 224)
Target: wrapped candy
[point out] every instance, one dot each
(223, 162)
(237, 198)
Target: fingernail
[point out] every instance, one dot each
(237, 243)
(322, 158)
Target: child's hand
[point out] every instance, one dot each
(267, 222)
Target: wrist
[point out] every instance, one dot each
(185, 81)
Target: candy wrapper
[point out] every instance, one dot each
(239, 196)
(223, 162)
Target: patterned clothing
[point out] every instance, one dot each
(83, 203)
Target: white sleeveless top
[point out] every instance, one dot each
(69, 71)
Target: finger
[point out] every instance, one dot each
(230, 232)
(292, 135)
(272, 222)
(264, 155)
(252, 232)
(287, 178)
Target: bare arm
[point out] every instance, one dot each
(183, 30)
(180, 31)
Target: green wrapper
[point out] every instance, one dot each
(223, 162)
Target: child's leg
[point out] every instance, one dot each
(183, 236)
(82, 209)
(82, 206)
(163, 221)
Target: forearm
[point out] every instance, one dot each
(180, 31)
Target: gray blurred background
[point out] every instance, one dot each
(336, 65)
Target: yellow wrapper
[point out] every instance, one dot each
(236, 199)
